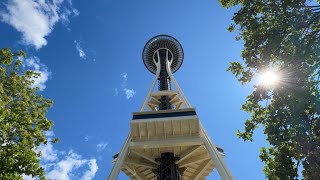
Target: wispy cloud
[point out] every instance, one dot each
(67, 13)
(35, 18)
(33, 63)
(101, 146)
(129, 93)
(64, 166)
(80, 49)
(87, 138)
(125, 78)
(116, 92)
(84, 50)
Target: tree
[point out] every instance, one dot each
(282, 35)
(23, 119)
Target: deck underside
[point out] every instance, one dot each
(181, 136)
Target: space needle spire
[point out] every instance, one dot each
(167, 140)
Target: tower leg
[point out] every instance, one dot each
(216, 157)
(178, 89)
(120, 159)
(151, 88)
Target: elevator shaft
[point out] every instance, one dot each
(167, 170)
(164, 80)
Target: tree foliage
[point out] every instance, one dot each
(283, 35)
(23, 119)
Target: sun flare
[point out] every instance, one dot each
(269, 78)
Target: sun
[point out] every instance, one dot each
(269, 78)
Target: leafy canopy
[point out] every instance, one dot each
(22, 119)
(282, 35)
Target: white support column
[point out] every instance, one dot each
(216, 157)
(184, 99)
(151, 88)
(120, 159)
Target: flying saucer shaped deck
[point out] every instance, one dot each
(162, 42)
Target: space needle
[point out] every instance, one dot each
(167, 140)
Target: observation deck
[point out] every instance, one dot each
(175, 52)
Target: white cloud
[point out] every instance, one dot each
(80, 50)
(33, 63)
(25, 177)
(101, 146)
(48, 153)
(67, 13)
(49, 134)
(125, 77)
(35, 18)
(129, 93)
(116, 92)
(59, 165)
(89, 174)
(84, 51)
(65, 168)
(41, 80)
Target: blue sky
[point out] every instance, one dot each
(89, 55)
